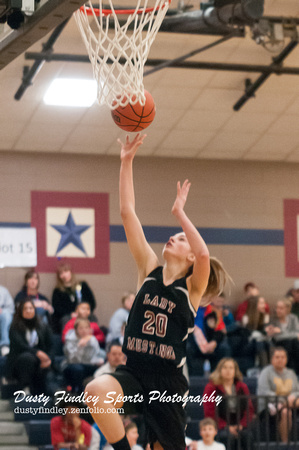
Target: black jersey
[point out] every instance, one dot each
(159, 322)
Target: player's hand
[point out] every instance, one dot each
(181, 196)
(129, 148)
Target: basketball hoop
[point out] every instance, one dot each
(118, 51)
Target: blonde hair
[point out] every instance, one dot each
(218, 278)
(216, 377)
(125, 296)
(287, 301)
(79, 321)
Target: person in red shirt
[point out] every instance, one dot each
(83, 312)
(69, 431)
(235, 412)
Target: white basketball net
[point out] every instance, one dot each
(117, 53)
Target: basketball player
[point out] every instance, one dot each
(159, 322)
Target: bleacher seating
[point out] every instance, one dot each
(39, 432)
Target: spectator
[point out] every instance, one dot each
(115, 357)
(119, 317)
(284, 331)
(69, 431)
(282, 387)
(255, 320)
(216, 307)
(83, 354)
(67, 295)
(294, 292)
(30, 291)
(83, 312)
(131, 431)
(29, 358)
(7, 308)
(206, 342)
(251, 290)
(208, 431)
(223, 312)
(235, 412)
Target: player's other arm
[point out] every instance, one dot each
(143, 254)
(198, 281)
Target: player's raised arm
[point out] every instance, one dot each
(198, 281)
(143, 254)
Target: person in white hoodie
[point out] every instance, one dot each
(83, 355)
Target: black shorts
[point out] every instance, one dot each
(161, 405)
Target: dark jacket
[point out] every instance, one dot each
(65, 302)
(19, 344)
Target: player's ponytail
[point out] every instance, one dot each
(218, 278)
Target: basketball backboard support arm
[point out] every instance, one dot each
(49, 16)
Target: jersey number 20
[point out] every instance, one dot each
(156, 324)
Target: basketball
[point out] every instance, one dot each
(133, 118)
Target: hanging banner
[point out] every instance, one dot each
(18, 247)
(291, 237)
(72, 225)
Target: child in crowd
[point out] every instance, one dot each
(83, 312)
(207, 431)
(83, 354)
(68, 431)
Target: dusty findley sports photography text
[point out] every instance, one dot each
(114, 400)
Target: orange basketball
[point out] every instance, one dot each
(133, 118)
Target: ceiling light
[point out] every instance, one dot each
(71, 92)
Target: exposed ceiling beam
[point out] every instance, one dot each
(49, 16)
(277, 69)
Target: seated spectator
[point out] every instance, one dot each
(69, 431)
(29, 358)
(7, 309)
(216, 307)
(205, 343)
(208, 431)
(67, 295)
(83, 312)
(255, 320)
(294, 292)
(234, 414)
(223, 311)
(282, 387)
(83, 354)
(119, 317)
(131, 431)
(115, 357)
(30, 290)
(284, 331)
(251, 290)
